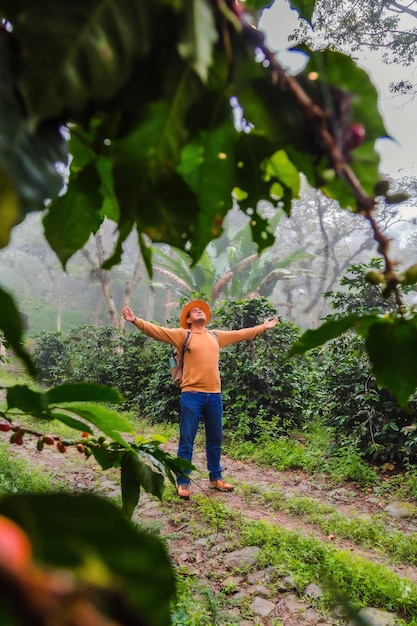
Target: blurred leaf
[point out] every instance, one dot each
(89, 60)
(72, 422)
(73, 217)
(109, 422)
(198, 37)
(392, 347)
(65, 530)
(208, 167)
(9, 208)
(305, 8)
(28, 155)
(26, 400)
(319, 336)
(82, 392)
(12, 326)
(129, 483)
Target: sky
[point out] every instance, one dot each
(398, 156)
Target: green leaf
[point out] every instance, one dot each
(28, 155)
(73, 217)
(109, 422)
(208, 167)
(12, 326)
(26, 400)
(124, 231)
(134, 475)
(391, 344)
(282, 169)
(110, 208)
(146, 253)
(305, 8)
(106, 457)
(72, 422)
(167, 464)
(129, 483)
(318, 336)
(160, 202)
(91, 57)
(9, 208)
(67, 530)
(82, 392)
(198, 37)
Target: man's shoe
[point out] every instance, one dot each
(220, 485)
(183, 492)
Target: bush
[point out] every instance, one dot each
(52, 359)
(358, 409)
(262, 387)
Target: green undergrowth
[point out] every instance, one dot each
(313, 452)
(341, 574)
(17, 475)
(370, 533)
(198, 605)
(309, 451)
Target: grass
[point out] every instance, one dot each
(18, 476)
(310, 451)
(340, 573)
(369, 533)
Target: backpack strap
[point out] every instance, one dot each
(186, 343)
(213, 332)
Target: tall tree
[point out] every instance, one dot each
(388, 26)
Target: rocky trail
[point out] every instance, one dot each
(214, 564)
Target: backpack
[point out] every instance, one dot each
(176, 361)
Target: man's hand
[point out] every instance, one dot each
(270, 323)
(128, 314)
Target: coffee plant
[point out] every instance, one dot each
(351, 400)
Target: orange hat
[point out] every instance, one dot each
(191, 305)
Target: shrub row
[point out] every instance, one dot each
(263, 390)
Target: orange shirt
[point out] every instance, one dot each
(201, 360)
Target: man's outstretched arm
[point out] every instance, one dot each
(270, 323)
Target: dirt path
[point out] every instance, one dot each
(197, 555)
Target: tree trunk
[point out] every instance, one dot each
(130, 289)
(104, 278)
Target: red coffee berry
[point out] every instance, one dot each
(61, 447)
(353, 136)
(15, 548)
(5, 427)
(49, 440)
(17, 438)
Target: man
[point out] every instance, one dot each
(200, 386)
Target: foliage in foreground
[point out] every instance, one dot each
(93, 575)
(77, 406)
(199, 65)
(353, 403)
(79, 78)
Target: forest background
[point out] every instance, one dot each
(307, 138)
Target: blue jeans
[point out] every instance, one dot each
(194, 406)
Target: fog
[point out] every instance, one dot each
(312, 250)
